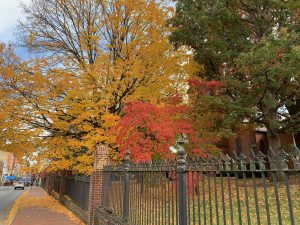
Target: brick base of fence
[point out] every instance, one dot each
(56, 184)
(106, 217)
(96, 181)
(69, 204)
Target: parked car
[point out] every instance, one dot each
(6, 183)
(19, 184)
(27, 181)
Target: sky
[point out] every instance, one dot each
(10, 13)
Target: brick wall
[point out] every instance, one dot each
(96, 185)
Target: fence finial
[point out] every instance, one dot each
(242, 159)
(181, 141)
(127, 160)
(181, 160)
(220, 161)
(252, 160)
(228, 161)
(235, 164)
(283, 158)
(261, 160)
(272, 158)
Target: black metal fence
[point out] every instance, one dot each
(45, 182)
(57, 184)
(206, 190)
(77, 188)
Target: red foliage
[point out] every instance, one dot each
(194, 82)
(175, 100)
(147, 129)
(199, 152)
(214, 84)
(205, 86)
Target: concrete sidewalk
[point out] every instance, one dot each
(36, 207)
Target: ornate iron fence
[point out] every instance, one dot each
(206, 190)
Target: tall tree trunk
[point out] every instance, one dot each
(293, 111)
(274, 141)
(275, 144)
(297, 139)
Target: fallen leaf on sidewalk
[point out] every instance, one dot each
(15, 208)
(28, 201)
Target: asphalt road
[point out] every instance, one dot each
(7, 198)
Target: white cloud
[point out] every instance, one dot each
(10, 13)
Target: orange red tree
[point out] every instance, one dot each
(149, 131)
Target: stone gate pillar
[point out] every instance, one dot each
(96, 180)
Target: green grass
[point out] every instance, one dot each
(160, 211)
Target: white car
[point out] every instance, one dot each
(19, 184)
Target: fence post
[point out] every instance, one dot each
(105, 190)
(295, 155)
(126, 187)
(181, 173)
(96, 181)
(62, 187)
(51, 182)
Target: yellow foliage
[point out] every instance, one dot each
(58, 115)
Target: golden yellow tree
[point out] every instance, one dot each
(100, 55)
(15, 137)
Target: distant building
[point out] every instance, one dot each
(9, 164)
(1, 168)
(256, 139)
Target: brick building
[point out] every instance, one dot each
(9, 163)
(256, 139)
